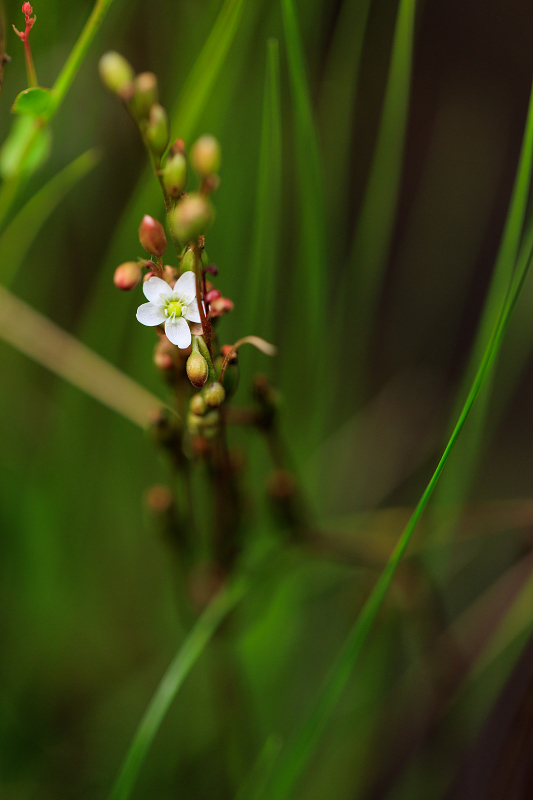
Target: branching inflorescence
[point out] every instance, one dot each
(184, 307)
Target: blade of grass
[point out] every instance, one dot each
(262, 272)
(41, 340)
(309, 282)
(454, 488)
(17, 238)
(371, 243)
(186, 657)
(305, 742)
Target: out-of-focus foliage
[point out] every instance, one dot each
(92, 604)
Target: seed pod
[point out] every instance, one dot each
(192, 216)
(214, 394)
(197, 369)
(198, 405)
(127, 275)
(152, 236)
(157, 131)
(117, 74)
(145, 94)
(174, 175)
(205, 156)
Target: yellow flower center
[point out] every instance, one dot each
(173, 309)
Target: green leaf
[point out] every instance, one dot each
(35, 102)
(25, 149)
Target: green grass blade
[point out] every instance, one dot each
(301, 749)
(310, 257)
(17, 238)
(263, 262)
(375, 225)
(187, 655)
(201, 80)
(455, 487)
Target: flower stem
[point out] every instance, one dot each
(30, 69)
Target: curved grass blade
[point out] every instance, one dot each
(187, 655)
(16, 239)
(263, 262)
(375, 225)
(53, 348)
(305, 742)
(454, 487)
(310, 255)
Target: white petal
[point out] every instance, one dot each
(193, 313)
(154, 288)
(150, 314)
(185, 287)
(178, 332)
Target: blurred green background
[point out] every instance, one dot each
(374, 322)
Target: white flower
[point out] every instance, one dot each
(172, 306)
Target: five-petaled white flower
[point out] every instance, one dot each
(172, 306)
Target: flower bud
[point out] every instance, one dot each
(205, 155)
(187, 261)
(198, 405)
(214, 394)
(116, 73)
(192, 215)
(127, 275)
(157, 131)
(197, 370)
(145, 94)
(220, 306)
(163, 354)
(152, 236)
(175, 175)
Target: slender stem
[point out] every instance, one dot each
(30, 69)
(72, 64)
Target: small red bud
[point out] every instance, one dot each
(221, 306)
(212, 295)
(127, 275)
(152, 236)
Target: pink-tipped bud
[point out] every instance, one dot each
(157, 131)
(127, 276)
(214, 294)
(152, 236)
(221, 306)
(192, 216)
(214, 394)
(145, 94)
(205, 156)
(116, 74)
(197, 369)
(175, 175)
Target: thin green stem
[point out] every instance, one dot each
(30, 69)
(72, 64)
(186, 657)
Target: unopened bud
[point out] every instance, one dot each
(188, 261)
(157, 131)
(175, 175)
(214, 394)
(152, 236)
(205, 155)
(214, 294)
(163, 354)
(197, 369)
(192, 216)
(117, 74)
(145, 94)
(221, 306)
(127, 275)
(198, 405)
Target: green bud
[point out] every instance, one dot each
(192, 216)
(214, 394)
(116, 73)
(187, 261)
(157, 131)
(205, 156)
(145, 94)
(194, 423)
(175, 175)
(198, 405)
(211, 421)
(197, 370)
(152, 236)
